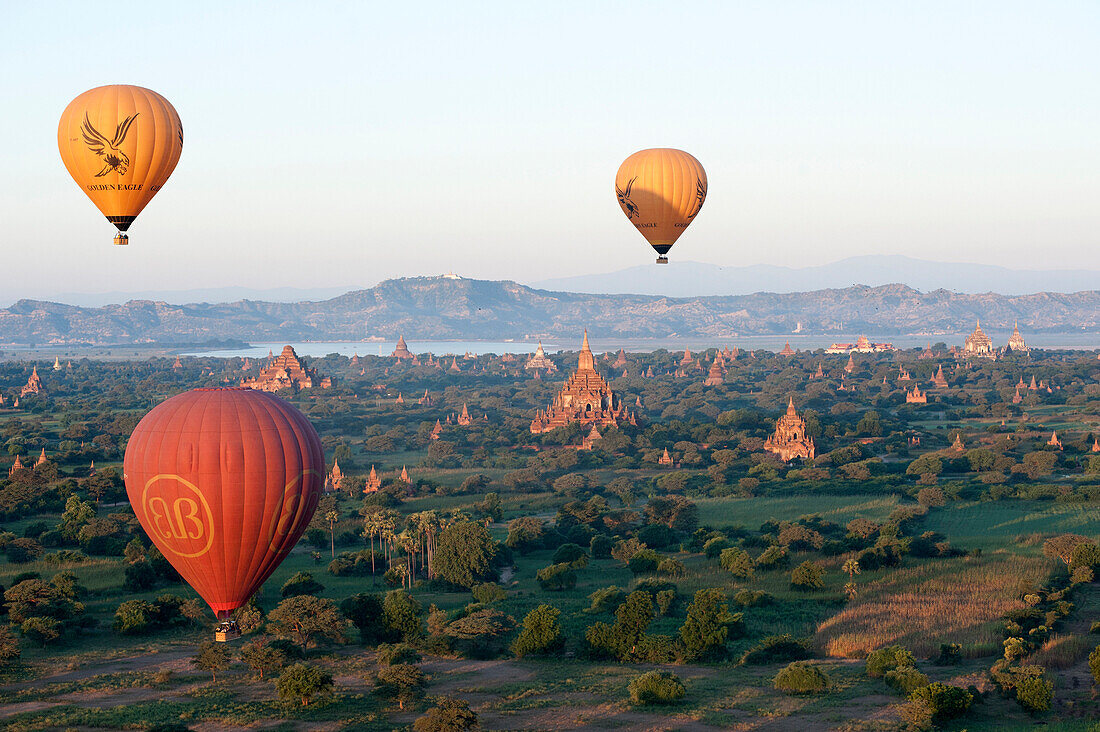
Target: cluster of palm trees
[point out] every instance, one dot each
(412, 537)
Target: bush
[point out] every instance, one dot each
(777, 648)
(657, 687)
(950, 654)
(905, 679)
(488, 592)
(606, 599)
(644, 561)
(302, 583)
(671, 568)
(134, 617)
(808, 576)
(888, 659)
(140, 577)
(751, 598)
(302, 681)
(448, 715)
(1035, 694)
(571, 554)
(541, 632)
(939, 702)
(774, 557)
(557, 577)
(600, 546)
(802, 677)
(737, 562)
(714, 547)
(397, 653)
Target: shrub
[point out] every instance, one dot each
(448, 715)
(888, 659)
(808, 576)
(1094, 664)
(133, 617)
(751, 598)
(774, 557)
(777, 648)
(401, 682)
(737, 562)
(715, 546)
(644, 561)
(605, 599)
(939, 702)
(905, 679)
(140, 577)
(571, 554)
(488, 592)
(302, 681)
(302, 583)
(657, 687)
(600, 546)
(1035, 694)
(666, 600)
(671, 568)
(950, 654)
(557, 577)
(397, 653)
(541, 632)
(802, 677)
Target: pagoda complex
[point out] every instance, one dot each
(717, 374)
(916, 396)
(374, 482)
(978, 344)
(34, 384)
(939, 379)
(402, 350)
(286, 371)
(1016, 341)
(540, 361)
(862, 345)
(787, 350)
(789, 441)
(586, 398)
(620, 360)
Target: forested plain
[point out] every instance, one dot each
(933, 566)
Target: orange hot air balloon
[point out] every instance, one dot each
(224, 482)
(661, 191)
(120, 143)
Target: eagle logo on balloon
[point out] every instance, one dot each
(700, 196)
(629, 206)
(113, 157)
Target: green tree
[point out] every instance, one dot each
(303, 681)
(448, 715)
(541, 633)
(302, 583)
(801, 677)
(737, 562)
(656, 687)
(9, 646)
(706, 627)
(77, 514)
(480, 634)
(402, 682)
(1035, 694)
(261, 656)
(307, 618)
(464, 554)
(134, 617)
(808, 576)
(212, 657)
(401, 615)
(364, 610)
(41, 628)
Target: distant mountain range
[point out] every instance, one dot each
(438, 308)
(207, 294)
(691, 279)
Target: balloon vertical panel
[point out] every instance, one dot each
(224, 481)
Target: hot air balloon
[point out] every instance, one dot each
(120, 143)
(224, 482)
(661, 191)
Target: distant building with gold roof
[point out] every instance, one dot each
(540, 360)
(978, 344)
(1016, 341)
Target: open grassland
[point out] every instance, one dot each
(751, 512)
(994, 525)
(950, 601)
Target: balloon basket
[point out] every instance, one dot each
(121, 240)
(662, 260)
(226, 631)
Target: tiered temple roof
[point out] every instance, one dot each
(1016, 341)
(787, 350)
(978, 344)
(540, 361)
(34, 384)
(717, 372)
(789, 441)
(916, 396)
(286, 372)
(586, 398)
(374, 482)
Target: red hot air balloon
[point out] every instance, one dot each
(224, 482)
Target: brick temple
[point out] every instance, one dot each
(586, 398)
(286, 371)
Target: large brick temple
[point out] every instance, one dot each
(586, 398)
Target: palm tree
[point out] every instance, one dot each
(332, 517)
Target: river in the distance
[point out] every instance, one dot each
(1061, 341)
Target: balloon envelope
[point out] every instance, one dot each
(120, 143)
(224, 482)
(661, 190)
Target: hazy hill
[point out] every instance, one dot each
(439, 308)
(691, 279)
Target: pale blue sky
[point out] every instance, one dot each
(343, 143)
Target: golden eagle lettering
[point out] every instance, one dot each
(113, 157)
(624, 200)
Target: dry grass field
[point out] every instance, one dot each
(949, 601)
